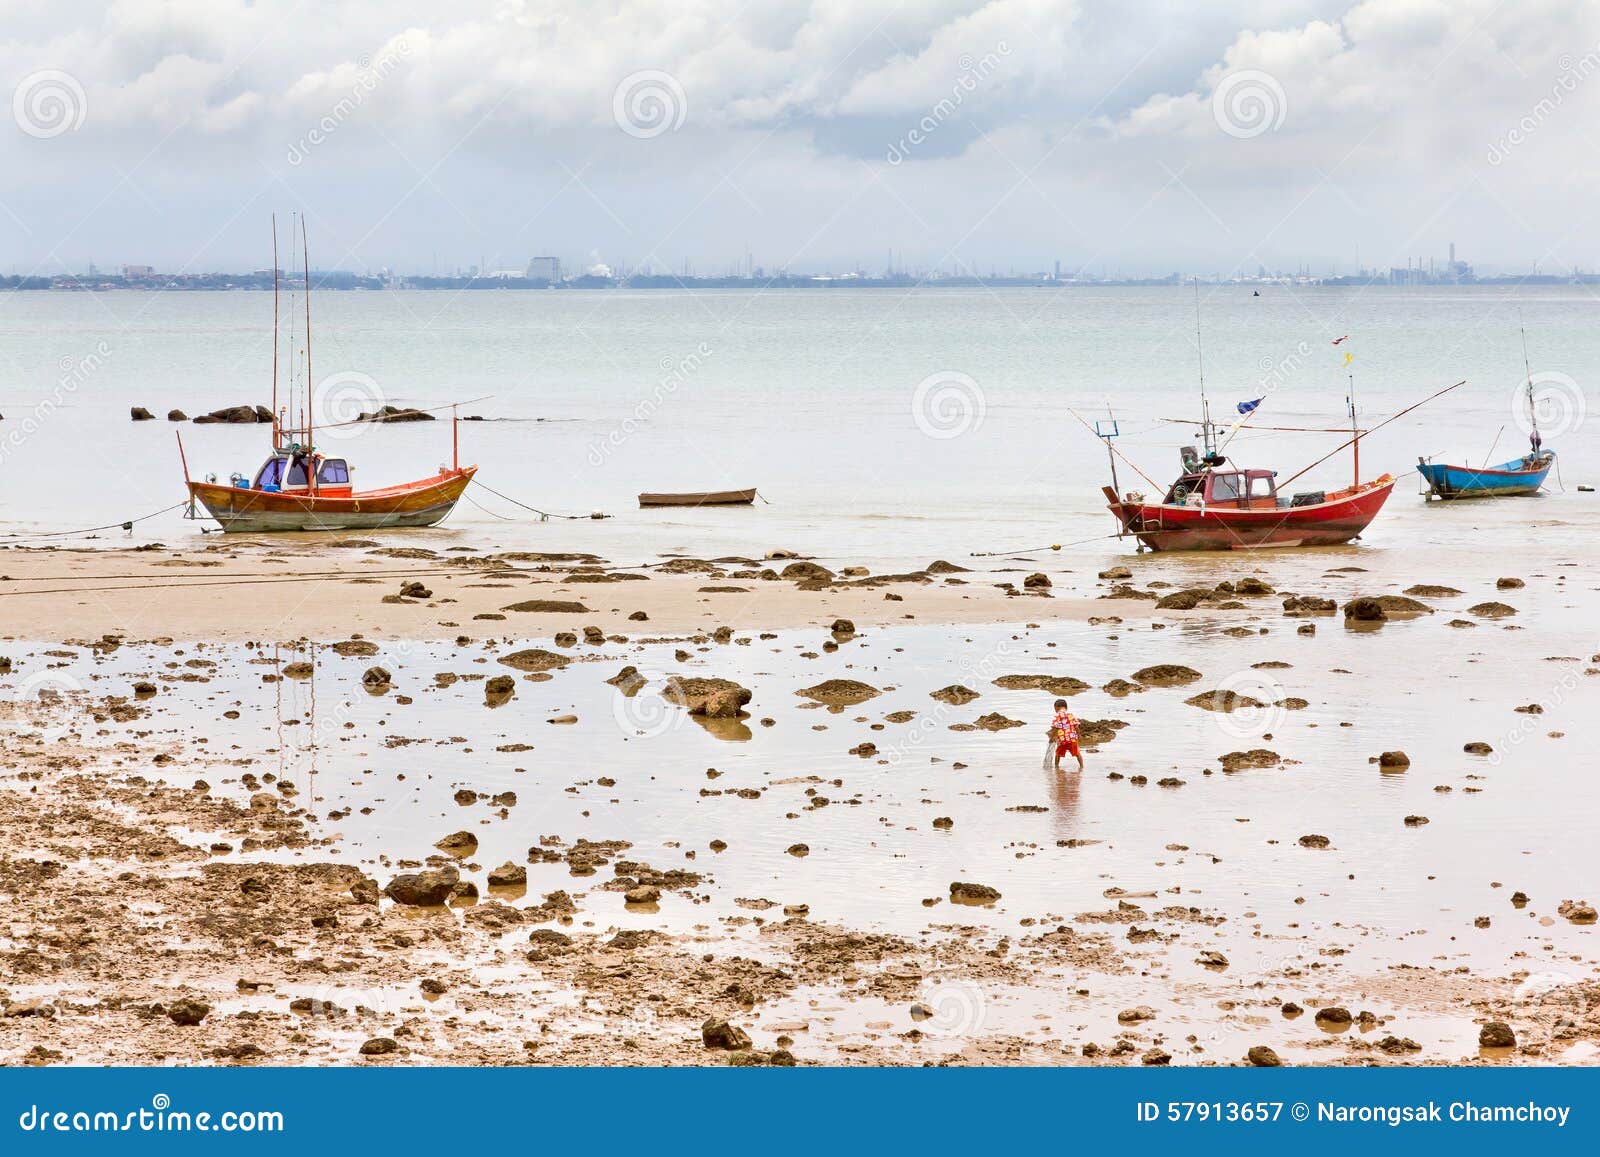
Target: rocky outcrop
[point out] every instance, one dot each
(839, 693)
(428, 889)
(712, 698)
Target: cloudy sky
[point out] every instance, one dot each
(814, 134)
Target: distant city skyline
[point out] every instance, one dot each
(552, 269)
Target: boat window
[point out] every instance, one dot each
(1261, 487)
(1224, 487)
(271, 473)
(334, 472)
(297, 473)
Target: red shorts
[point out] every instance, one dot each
(1068, 747)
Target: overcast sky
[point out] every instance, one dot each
(1140, 137)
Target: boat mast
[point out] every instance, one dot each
(1206, 433)
(1355, 441)
(1533, 414)
(275, 438)
(305, 256)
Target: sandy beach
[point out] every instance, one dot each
(274, 803)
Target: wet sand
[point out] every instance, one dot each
(206, 811)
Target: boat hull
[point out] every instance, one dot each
(1341, 518)
(1508, 480)
(244, 511)
(707, 498)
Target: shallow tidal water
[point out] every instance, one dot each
(1384, 894)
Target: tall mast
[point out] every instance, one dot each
(1355, 441)
(274, 331)
(1205, 406)
(305, 256)
(1533, 414)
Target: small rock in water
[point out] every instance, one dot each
(1262, 1057)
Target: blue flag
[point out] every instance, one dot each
(1246, 407)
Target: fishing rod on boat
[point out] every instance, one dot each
(1374, 430)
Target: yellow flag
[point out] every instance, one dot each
(1349, 357)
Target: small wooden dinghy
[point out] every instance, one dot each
(701, 498)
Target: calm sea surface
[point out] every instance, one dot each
(811, 395)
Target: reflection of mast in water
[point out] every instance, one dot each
(288, 768)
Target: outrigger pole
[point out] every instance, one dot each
(1153, 483)
(1374, 430)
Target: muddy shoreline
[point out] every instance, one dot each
(208, 800)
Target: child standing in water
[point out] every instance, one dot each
(1064, 730)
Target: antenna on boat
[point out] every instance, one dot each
(1106, 433)
(1206, 432)
(1533, 413)
(275, 438)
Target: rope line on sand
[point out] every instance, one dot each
(543, 514)
(126, 524)
(236, 580)
(1042, 546)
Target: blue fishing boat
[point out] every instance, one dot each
(1520, 476)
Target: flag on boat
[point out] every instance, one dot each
(1246, 407)
(1338, 340)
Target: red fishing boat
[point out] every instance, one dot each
(1225, 507)
(300, 488)
(1216, 504)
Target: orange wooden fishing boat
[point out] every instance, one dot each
(299, 488)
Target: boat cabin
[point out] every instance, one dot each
(290, 471)
(1229, 488)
